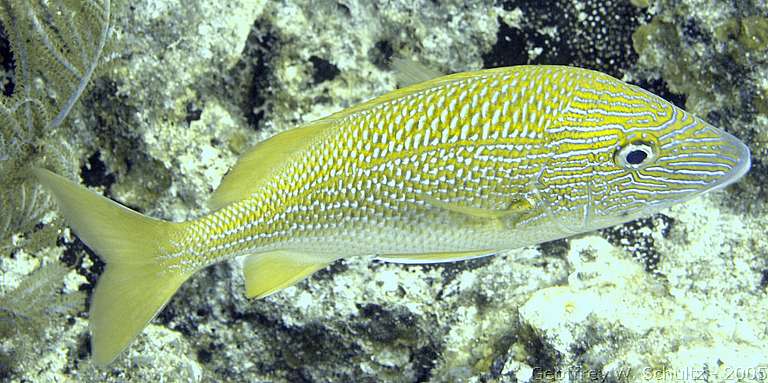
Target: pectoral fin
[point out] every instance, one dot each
(270, 272)
(435, 257)
(516, 207)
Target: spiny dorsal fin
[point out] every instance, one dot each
(255, 166)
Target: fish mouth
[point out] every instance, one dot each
(736, 151)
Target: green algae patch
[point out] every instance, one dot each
(728, 30)
(743, 36)
(655, 32)
(238, 142)
(761, 104)
(754, 33)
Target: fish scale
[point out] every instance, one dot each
(456, 167)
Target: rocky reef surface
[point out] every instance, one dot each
(194, 83)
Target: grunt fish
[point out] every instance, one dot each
(456, 167)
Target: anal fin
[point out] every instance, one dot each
(268, 273)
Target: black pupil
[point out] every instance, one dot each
(636, 157)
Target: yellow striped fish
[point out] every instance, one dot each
(456, 167)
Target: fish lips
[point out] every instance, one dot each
(736, 151)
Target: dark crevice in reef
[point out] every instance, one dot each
(601, 41)
(189, 306)
(501, 347)
(83, 348)
(764, 279)
(630, 237)
(386, 324)
(255, 70)
(315, 344)
(301, 351)
(757, 184)
(323, 70)
(172, 316)
(381, 54)
(194, 112)
(452, 269)
(424, 360)
(558, 248)
(7, 63)
(399, 326)
(94, 172)
(327, 273)
(538, 354)
(73, 256)
(204, 355)
(509, 50)
(311, 350)
(112, 110)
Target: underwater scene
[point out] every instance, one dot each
(384, 191)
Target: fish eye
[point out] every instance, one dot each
(635, 155)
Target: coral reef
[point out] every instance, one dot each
(50, 53)
(32, 309)
(194, 83)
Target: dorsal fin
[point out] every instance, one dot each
(409, 72)
(421, 86)
(255, 166)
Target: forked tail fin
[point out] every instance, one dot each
(134, 287)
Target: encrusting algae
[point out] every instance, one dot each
(452, 168)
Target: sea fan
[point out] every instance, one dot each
(29, 309)
(57, 46)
